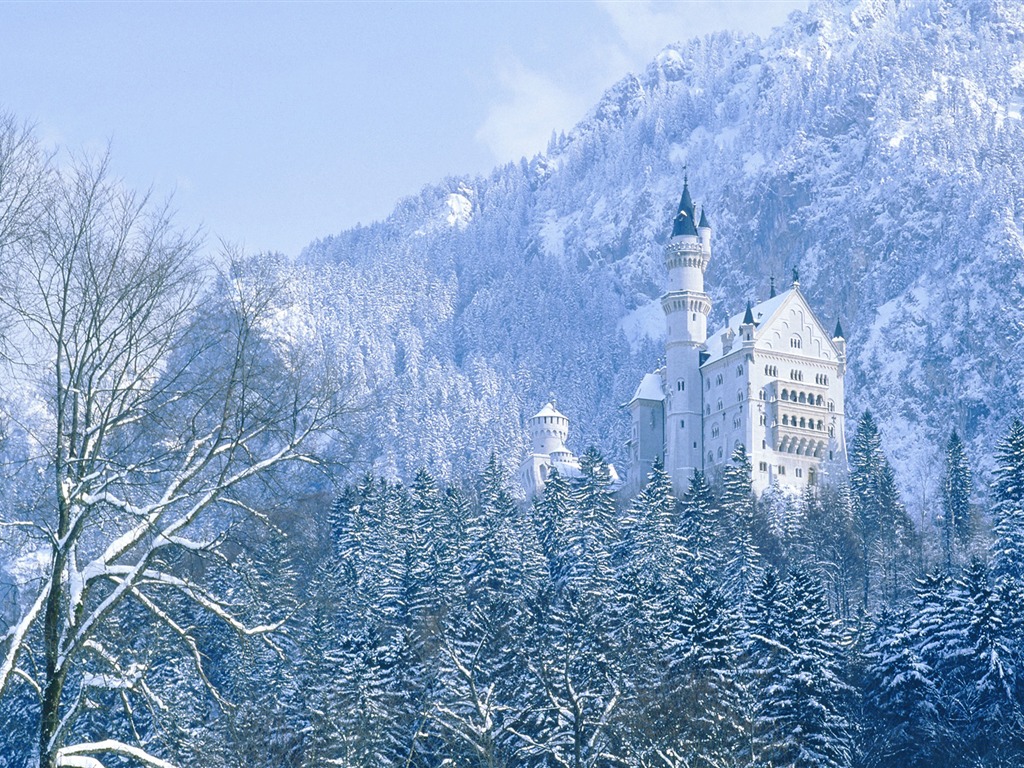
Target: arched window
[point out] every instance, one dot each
(831, 405)
(739, 396)
(718, 405)
(785, 394)
(785, 420)
(714, 431)
(803, 422)
(720, 452)
(819, 401)
(739, 370)
(711, 457)
(803, 398)
(680, 385)
(718, 380)
(762, 419)
(707, 410)
(796, 342)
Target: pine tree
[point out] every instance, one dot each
(901, 701)
(956, 501)
(1008, 508)
(883, 526)
(701, 531)
(743, 566)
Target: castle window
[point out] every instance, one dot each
(803, 398)
(739, 396)
(798, 472)
(718, 405)
(682, 424)
(831, 405)
(810, 477)
(736, 421)
(831, 431)
(763, 466)
(719, 452)
(707, 411)
(714, 431)
(680, 385)
(762, 419)
(819, 401)
(707, 384)
(803, 422)
(796, 342)
(785, 394)
(830, 455)
(821, 425)
(785, 420)
(739, 370)
(764, 444)
(782, 469)
(718, 380)
(711, 457)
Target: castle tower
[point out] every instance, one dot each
(549, 430)
(686, 307)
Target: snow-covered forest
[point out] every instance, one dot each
(257, 511)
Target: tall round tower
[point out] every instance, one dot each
(686, 307)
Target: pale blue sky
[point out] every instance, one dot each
(276, 123)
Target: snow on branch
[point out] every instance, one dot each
(79, 755)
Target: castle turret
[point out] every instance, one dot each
(686, 307)
(549, 431)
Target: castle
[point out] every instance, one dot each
(770, 380)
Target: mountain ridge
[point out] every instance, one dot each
(874, 145)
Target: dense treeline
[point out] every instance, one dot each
(455, 626)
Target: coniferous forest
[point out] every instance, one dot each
(247, 515)
(436, 625)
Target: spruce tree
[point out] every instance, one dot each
(956, 500)
(1008, 508)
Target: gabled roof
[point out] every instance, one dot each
(762, 314)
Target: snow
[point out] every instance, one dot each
(645, 323)
(650, 388)
(460, 210)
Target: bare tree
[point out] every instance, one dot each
(164, 401)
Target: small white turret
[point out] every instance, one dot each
(549, 430)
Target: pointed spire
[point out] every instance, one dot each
(704, 223)
(683, 223)
(748, 317)
(839, 331)
(796, 276)
(771, 289)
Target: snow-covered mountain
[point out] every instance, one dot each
(875, 145)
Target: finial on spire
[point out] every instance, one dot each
(796, 276)
(771, 287)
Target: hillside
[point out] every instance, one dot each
(876, 146)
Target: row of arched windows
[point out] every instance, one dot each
(821, 378)
(796, 375)
(771, 370)
(802, 397)
(803, 423)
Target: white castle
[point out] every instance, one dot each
(770, 380)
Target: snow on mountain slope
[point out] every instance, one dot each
(875, 145)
